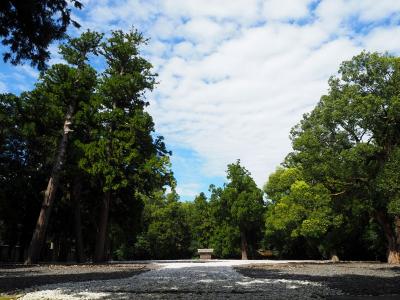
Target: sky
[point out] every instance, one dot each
(235, 76)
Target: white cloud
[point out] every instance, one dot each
(372, 10)
(189, 190)
(184, 49)
(383, 39)
(27, 71)
(3, 87)
(164, 28)
(285, 9)
(205, 30)
(235, 76)
(241, 100)
(243, 11)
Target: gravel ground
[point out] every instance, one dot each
(15, 278)
(353, 279)
(226, 280)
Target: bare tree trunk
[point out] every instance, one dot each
(78, 224)
(334, 256)
(39, 234)
(99, 255)
(243, 244)
(394, 251)
(392, 237)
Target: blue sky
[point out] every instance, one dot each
(235, 76)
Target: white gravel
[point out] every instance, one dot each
(187, 280)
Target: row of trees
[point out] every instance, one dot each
(336, 195)
(80, 151)
(231, 221)
(81, 147)
(81, 137)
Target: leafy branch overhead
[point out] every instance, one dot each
(28, 27)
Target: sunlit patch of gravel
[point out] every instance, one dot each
(216, 280)
(352, 278)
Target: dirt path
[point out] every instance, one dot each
(232, 280)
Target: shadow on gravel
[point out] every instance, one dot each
(350, 284)
(25, 279)
(393, 269)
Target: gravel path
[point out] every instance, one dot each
(353, 279)
(234, 280)
(15, 278)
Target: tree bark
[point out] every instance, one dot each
(334, 256)
(99, 255)
(392, 237)
(76, 194)
(394, 252)
(243, 244)
(39, 234)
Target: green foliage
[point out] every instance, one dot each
(119, 148)
(279, 183)
(347, 145)
(299, 210)
(388, 182)
(166, 234)
(112, 146)
(225, 241)
(20, 159)
(77, 50)
(200, 223)
(373, 241)
(29, 27)
(243, 197)
(236, 209)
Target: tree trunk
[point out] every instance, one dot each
(334, 256)
(392, 237)
(39, 234)
(99, 255)
(76, 194)
(394, 252)
(243, 244)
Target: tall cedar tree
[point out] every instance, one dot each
(28, 27)
(121, 152)
(239, 206)
(69, 85)
(28, 144)
(200, 222)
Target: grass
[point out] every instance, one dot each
(10, 297)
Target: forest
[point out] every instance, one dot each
(85, 177)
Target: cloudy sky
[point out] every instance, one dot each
(236, 75)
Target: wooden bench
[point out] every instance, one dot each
(205, 253)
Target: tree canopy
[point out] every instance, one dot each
(348, 144)
(85, 140)
(28, 28)
(238, 211)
